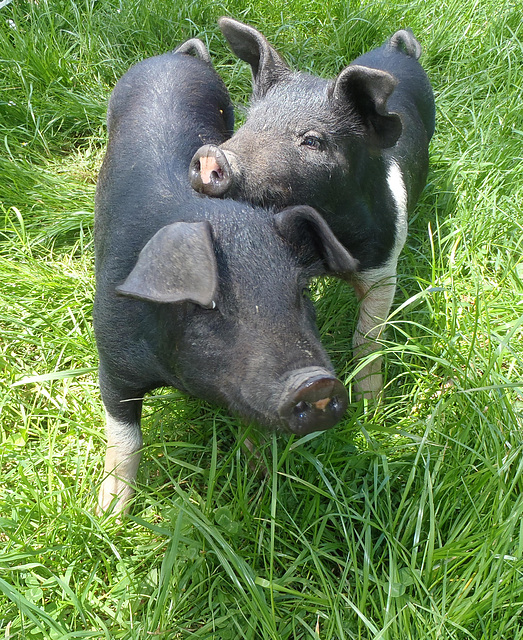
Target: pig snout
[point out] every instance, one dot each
(313, 400)
(209, 171)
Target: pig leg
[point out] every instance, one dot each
(124, 442)
(375, 293)
(375, 290)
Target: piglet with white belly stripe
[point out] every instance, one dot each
(355, 148)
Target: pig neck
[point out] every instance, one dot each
(363, 215)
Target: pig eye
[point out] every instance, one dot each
(312, 141)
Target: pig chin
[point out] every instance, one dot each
(262, 413)
(260, 193)
(278, 196)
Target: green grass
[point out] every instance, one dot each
(403, 523)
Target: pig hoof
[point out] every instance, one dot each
(114, 497)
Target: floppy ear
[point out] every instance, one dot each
(268, 67)
(312, 238)
(365, 91)
(177, 264)
(194, 47)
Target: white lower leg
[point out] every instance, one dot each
(376, 295)
(124, 442)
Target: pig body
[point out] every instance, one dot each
(355, 148)
(188, 295)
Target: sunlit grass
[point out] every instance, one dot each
(404, 522)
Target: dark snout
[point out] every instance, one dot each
(209, 171)
(313, 400)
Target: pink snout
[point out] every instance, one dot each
(209, 171)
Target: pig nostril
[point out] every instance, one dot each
(301, 410)
(335, 405)
(209, 171)
(216, 175)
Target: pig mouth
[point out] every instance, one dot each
(218, 172)
(307, 400)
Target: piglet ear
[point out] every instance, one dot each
(194, 47)
(365, 91)
(177, 264)
(313, 240)
(268, 67)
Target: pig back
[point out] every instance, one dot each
(413, 100)
(159, 113)
(413, 97)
